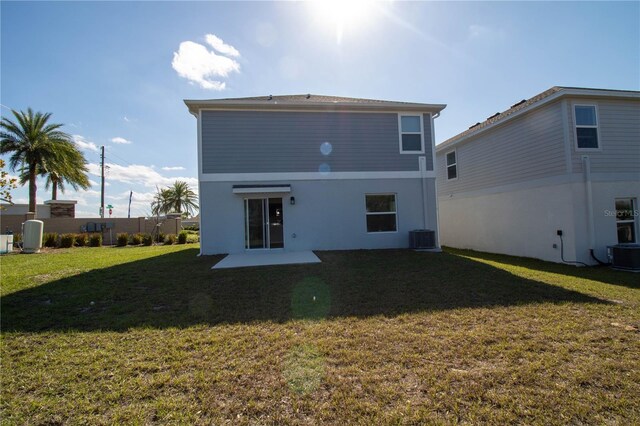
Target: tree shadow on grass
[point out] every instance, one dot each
(601, 274)
(179, 290)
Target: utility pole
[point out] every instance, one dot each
(102, 181)
(130, 195)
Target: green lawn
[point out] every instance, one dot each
(152, 335)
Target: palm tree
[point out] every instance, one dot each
(181, 198)
(178, 198)
(160, 203)
(68, 165)
(33, 142)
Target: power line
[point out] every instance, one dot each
(117, 156)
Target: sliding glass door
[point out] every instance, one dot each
(264, 223)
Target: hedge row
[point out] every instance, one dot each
(53, 240)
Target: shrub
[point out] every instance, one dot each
(191, 228)
(95, 240)
(82, 240)
(17, 238)
(170, 239)
(147, 239)
(67, 240)
(193, 238)
(50, 239)
(136, 239)
(182, 237)
(161, 237)
(122, 239)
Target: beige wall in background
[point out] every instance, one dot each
(74, 225)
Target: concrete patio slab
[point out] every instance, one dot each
(244, 260)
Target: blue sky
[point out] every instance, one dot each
(116, 73)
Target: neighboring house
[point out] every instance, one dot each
(308, 172)
(565, 160)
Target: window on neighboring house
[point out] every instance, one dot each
(452, 165)
(626, 220)
(411, 140)
(586, 126)
(381, 213)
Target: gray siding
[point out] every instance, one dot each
(527, 147)
(619, 130)
(269, 142)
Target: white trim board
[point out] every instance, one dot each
(562, 179)
(247, 177)
(357, 108)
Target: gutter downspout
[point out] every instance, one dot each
(422, 165)
(433, 162)
(586, 169)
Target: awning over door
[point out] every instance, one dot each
(261, 189)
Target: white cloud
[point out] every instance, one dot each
(94, 183)
(138, 174)
(200, 65)
(169, 168)
(120, 140)
(221, 46)
(82, 143)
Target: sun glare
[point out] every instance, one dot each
(343, 15)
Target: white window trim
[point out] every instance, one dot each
(575, 128)
(400, 132)
(446, 165)
(634, 219)
(366, 213)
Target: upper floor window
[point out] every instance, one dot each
(586, 119)
(381, 212)
(452, 165)
(626, 214)
(411, 137)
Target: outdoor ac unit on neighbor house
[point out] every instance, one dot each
(422, 239)
(625, 256)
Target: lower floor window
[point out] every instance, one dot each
(381, 212)
(626, 220)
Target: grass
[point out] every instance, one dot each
(152, 335)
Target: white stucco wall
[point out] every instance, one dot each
(523, 222)
(518, 222)
(327, 215)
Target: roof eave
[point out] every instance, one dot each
(196, 105)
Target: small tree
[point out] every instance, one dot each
(6, 184)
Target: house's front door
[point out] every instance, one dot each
(264, 223)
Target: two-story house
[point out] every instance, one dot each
(555, 177)
(308, 172)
